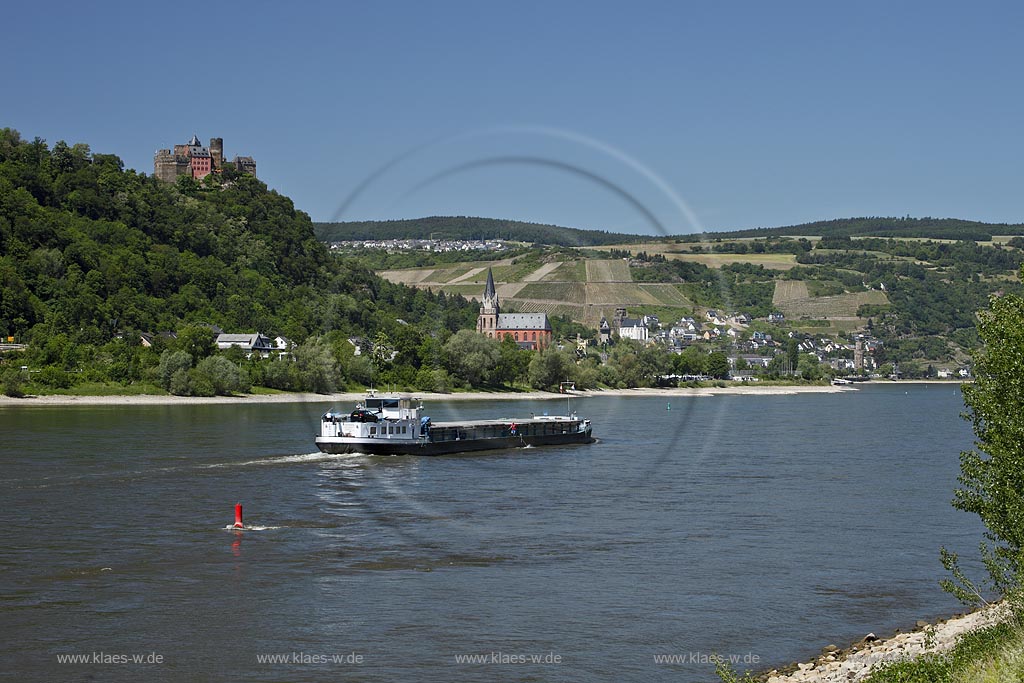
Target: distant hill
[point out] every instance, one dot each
(933, 228)
(468, 227)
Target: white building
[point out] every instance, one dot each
(631, 328)
(254, 343)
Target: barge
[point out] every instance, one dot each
(393, 425)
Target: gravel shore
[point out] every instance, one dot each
(347, 398)
(856, 663)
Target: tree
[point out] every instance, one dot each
(472, 357)
(224, 376)
(197, 341)
(170, 363)
(992, 476)
(808, 366)
(792, 355)
(718, 365)
(315, 367)
(549, 368)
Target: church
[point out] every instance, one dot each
(530, 330)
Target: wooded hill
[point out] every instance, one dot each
(470, 228)
(92, 255)
(463, 227)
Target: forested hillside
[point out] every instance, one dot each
(933, 228)
(463, 227)
(470, 228)
(93, 255)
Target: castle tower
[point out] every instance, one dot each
(217, 152)
(488, 318)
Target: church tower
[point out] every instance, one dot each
(488, 319)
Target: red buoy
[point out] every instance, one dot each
(238, 516)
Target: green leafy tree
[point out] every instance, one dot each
(992, 476)
(808, 366)
(197, 341)
(472, 357)
(316, 368)
(225, 377)
(692, 361)
(718, 365)
(170, 363)
(550, 367)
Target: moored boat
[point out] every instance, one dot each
(395, 425)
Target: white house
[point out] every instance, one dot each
(254, 343)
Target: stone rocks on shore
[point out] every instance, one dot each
(856, 663)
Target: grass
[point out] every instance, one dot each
(989, 655)
(97, 389)
(266, 391)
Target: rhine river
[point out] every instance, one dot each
(757, 527)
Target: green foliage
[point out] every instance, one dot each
(935, 228)
(992, 477)
(174, 363)
(197, 341)
(991, 649)
(470, 228)
(315, 367)
(549, 368)
(472, 358)
(11, 382)
(224, 376)
(88, 250)
(717, 365)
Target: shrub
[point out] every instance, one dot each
(55, 378)
(222, 375)
(12, 382)
(279, 374)
(170, 363)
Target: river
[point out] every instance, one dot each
(756, 527)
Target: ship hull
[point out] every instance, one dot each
(341, 445)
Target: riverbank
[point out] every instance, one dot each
(857, 662)
(348, 398)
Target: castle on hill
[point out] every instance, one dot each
(530, 330)
(196, 160)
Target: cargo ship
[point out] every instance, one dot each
(395, 425)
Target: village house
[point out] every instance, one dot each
(252, 344)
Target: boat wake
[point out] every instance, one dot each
(288, 459)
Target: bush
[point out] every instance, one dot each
(11, 382)
(223, 376)
(179, 383)
(431, 379)
(170, 363)
(279, 374)
(55, 378)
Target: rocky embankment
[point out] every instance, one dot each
(856, 663)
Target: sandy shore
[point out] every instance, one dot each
(856, 663)
(349, 398)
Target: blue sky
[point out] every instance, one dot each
(708, 115)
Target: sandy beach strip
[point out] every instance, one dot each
(345, 399)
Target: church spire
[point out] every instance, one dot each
(489, 293)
